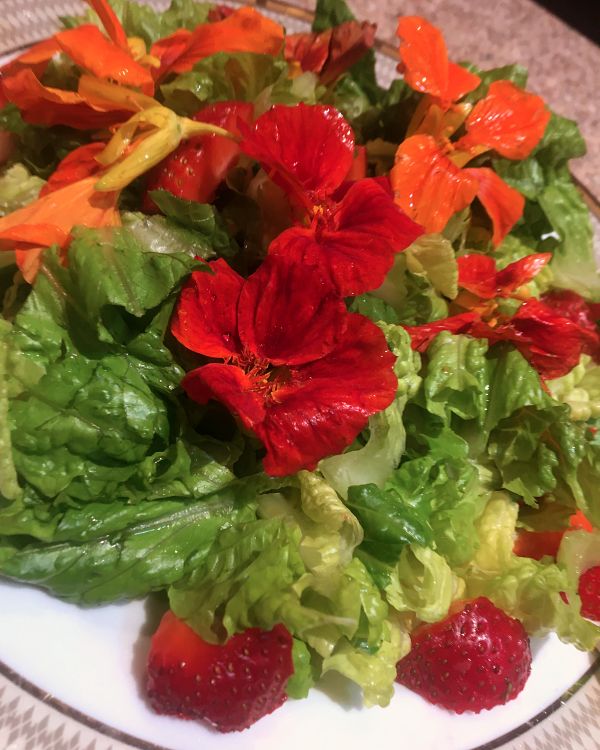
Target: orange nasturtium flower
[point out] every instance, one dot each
(429, 177)
(118, 59)
(49, 221)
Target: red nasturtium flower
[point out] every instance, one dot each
(550, 333)
(350, 230)
(331, 52)
(429, 179)
(586, 315)
(477, 274)
(299, 371)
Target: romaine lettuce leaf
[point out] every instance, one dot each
(423, 583)
(224, 76)
(141, 20)
(18, 187)
(579, 389)
(146, 554)
(527, 589)
(374, 462)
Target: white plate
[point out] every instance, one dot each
(72, 679)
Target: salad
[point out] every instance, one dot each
(317, 359)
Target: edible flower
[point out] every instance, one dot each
(298, 370)
(159, 131)
(586, 315)
(331, 52)
(243, 30)
(352, 230)
(551, 333)
(478, 275)
(124, 61)
(429, 177)
(50, 219)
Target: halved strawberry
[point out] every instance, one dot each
(538, 544)
(198, 166)
(475, 659)
(230, 686)
(589, 593)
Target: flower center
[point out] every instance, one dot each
(266, 378)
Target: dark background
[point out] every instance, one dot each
(583, 16)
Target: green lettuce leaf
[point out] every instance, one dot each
(241, 76)
(39, 149)
(524, 588)
(432, 256)
(579, 389)
(413, 295)
(202, 218)
(573, 264)
(18, 187)
(374, 462)
(374, 672)
(423, 583)
(160, 234)
(457, 379)
(142, 20)
(146, 554)
(302, 680)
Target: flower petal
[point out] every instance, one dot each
(42, 105)
(421, 336)
(289, 313)
(110, 22)
(425, 62)
(245, 30)
(303, 148)
(205, 319)
(50, 219)
(232, 387)
(77, 165)
(586, 315)
(552, 344)
(29, 242)
(508, 120)
(520, 272)
(428, 187)
(168, 50)
(309, 49)
(89, 49)
(477, 274)
(350, 41)
(503, 204)
(77, 204)
(325, 404)
(36, 58)
(357, 249)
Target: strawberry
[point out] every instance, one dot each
(537, 544)
(196, 168)
(478, 657)
(589, 593)
(230, 686)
